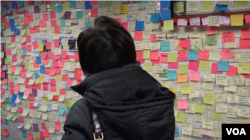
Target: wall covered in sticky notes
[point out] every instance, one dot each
(204, 61)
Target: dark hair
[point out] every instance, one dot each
(106, 46)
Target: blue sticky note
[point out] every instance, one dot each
(165, 4)
(221, 7)
(144, 1)
(165, 14)
(5, 6)
(24, 134)
(165, 46)
(155, 17)
(49, 107)
(12, 28)
(21, 95)
(72, 4)
(59, 9)
(87, 5)
(13, 5)
(6, 122)
(193, 55)
(66, 87)
(60, 111)
(62, 22)
(24, 52)
(176, 132)
(7, 100)
(12, 22)
(38, 60)
(172, 75)
(139, 25)
(223, 66)
(79, 14)
(87, 25)
(36, 75)
(42, 69)
(68, 109)
(17, 31)
(20, 4)
(13, 99)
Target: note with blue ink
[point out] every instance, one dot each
(139, 25)
(42, 69)
(62, 22)
(193, 55)
(60, 111)
(87, 5)
(38, 60)
(221, 7)
(165, 46)
(59, 9)
(79, 14)
(155, 17)
(165, 4)
(223, 66)
(165, 14)
(172, 75)
(72, 4)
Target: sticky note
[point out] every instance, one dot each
(186, 89)
(87, 5)
(203, 55)
(221, 7)
(176, 132)
(236, 20)
(66, 6)
(226, 54)
(38, 60)
(123, 9)
(165, 14)
(208, 98)
(216, 116)
(146, 54)
(139, 25)
(79, 14)
(72, 4)
(180, 117)
(108, 3)
(168, 25)
(165, 4)
(155, 17)
(211, 30)
(147, 66)
(245, 33)
(207, 5)
(164, 46)
(60, 111)
(192, 55)
(211, 39)
(204, 65)
(228, 37)
(172, 57)
(94, 12)
(183, 69)
(244, 44)
(59, 9)
(223, 66)
(240, 4)
(24, 134)
(215, 69)
(199, 108)
(178, 7)
(172, 75)
(87, 25)
(194, 76)
(182, 104)
(244, 68)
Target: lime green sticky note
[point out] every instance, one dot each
(66, 6)
(26, 104)
(204, 65)
(172, 57)
(211, 39)
(216, 116)
(58, 22)
(108, 3)
(4, 106)
(26, 65)
(146, 54)
(37, 136)
(6, 61)
(175, 102)
(27, 32)
(199, 108)
(208, 98)
(67, 103)
(207, 5)
(52, 7)
(240, 4)
(164, 74)
(181, 117)
(183, 69)
(14, 118)
(2, 26)
(8, 46)
(168, 25)
(147, 66)
(4, 113)
(58, 77)
(11, 77)
(19, 53)
(46, 99)
(186, 89)
(244, 68)
(74, 101)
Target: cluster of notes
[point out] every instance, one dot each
(205, 61)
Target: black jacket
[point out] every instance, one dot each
(131, 104)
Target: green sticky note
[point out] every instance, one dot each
(58, 22)
(67, 103)
(27, 32)
(8, 46)
(183, 69)
(66, 6)
(172, 57)
(19, 53)
(11, 77)
(199, 108)
(164, 74)
(186, 89)
(244, 68)
(204, 65)
(74, 101)
(108, 3)
(2, 26)
(52, 7)
(240, 4)
(6, 61)
(26, 65)
(181, 117)
(58, 77)
(14, 117)
(146, 54)
(26, 104)
(216, 116)
(175, 102)
(147, 66)
(46, 99)
(37, 136)
(207, 5)
(211, 39)
(208, 98)
(4, 106)
(4, 113)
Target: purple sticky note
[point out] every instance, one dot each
(67, 14)
(35, 127)
(37, 9)
(34, 92)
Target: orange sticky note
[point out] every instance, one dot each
(181, 48)
(154, 55)
(228, 37)
(203, 55)
(181, 78)
(164, 58)
(194, 76)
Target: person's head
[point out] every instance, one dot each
(105, 46)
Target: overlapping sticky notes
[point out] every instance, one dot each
(232, 71)
(185, 43)
(183, 69)
(237, 20)
(207, 5)
(147, 66)
(204, 65)
(223, 66)
(194, 76)
(166, 14)
(199, 108)
(214, 69)
(216, 116)
(209, 98)
(181, 117)
(211, 40)
(226, 54)
(172, 75)
(228, 37)
(192, 55)
(172, 57)
(181, 78)
(186, 89)
(182, 104)
(168, 25)
(244, 68)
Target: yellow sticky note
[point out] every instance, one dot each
(41, 80)
(240, 4)
(178, 7)
(58, 22)
(146, 54)
(58, 77)
(207, 5)
(19, 53)
(123, 9)
(27, 32)
(244, 68)
(37, 136)
(209, 98)
(46, 99)
(172, 57)
(181, 117)
(26, 104)
(204, 65)
(172, 89)
(216, 116)
(186, 89)
(199, 108)
(40, 48)
(183, 69)
(236, 20)
(68, 103)
(168, 25)
(32, 57)
(147, 66)
(66, 6)
(74, 101)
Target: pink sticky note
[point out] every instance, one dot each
(125, 25)
(154, 55)
(173, 65)
(246, 76)
(13, 68)
(212, 30)
(154, 62)
(41, 94)
(194, 76)
(139, 55)
(214, 69)
(35, 44)
(57, 70)
(163, 57)
(182, 104)
(56, 43)
(247, 18)
(193, 65)
(94, 12)
(52, 82)
(141, 61)
(14, 58)
(232, 71)
(46, 17)
(226, 54)
(27, 91)
(185, 43)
